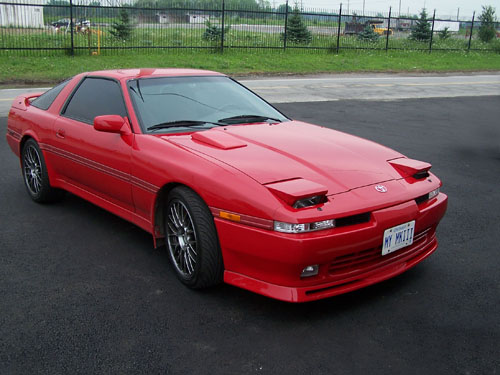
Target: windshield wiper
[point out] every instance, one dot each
(247, 119)
(181, 123)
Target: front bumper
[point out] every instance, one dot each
(349, 258)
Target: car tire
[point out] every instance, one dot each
(35, 176)
(191, 240)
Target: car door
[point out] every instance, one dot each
(97, 162)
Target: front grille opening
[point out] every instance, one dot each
(421, 175)
(353, 220)
(363, 260)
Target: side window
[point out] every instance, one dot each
(45, 100)
(95, 97)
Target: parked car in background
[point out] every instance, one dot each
(64, 23)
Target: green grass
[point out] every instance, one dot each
(32, 70)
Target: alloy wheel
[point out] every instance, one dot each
(181, 238)
(32, 168)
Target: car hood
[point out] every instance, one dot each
(270, 153)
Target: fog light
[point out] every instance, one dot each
(310, 271)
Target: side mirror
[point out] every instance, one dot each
(111, 124)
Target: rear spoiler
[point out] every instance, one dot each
(22, 102)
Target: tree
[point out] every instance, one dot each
(444, 34)
(282, 8)
(368, 34)
(57, 10)
(122, 28)
(214, 33)
(422, 31)
(487, 29)
(297, 31)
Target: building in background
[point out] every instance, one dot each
(22, 16)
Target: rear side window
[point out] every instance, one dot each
(95, 97)
(45, 100)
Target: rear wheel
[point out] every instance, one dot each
(192, 241)
(35, 174)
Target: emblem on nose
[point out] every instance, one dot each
(381, 188)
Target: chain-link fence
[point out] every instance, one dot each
(59, 26)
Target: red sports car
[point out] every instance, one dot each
(237, 191)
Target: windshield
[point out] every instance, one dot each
(178, 104)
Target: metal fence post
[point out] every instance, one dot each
(71, 27)
(338, 28)
(222, 31)
(388, 30)
(432, 30)
(286, 25)
(471, 30)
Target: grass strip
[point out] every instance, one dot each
(34, 70)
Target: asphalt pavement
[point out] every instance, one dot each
(332, 87)
(382, 86)
(82, 291)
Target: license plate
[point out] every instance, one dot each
(397, 237)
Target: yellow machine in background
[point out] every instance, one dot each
(381, 30)
(355, 27)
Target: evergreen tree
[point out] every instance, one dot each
(444, 34)
(422, 31)
(487, 30)
(122, 28)
(368, 34)
(296, 31)
(214, 33)
(282, 8)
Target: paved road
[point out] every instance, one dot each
(373, 87)
(348, 86)
(82, 291)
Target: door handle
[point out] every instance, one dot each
(60, 133)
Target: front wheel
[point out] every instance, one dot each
(35, 174)
(192, 241)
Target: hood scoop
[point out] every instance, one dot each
(218, 139)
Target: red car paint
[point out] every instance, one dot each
(254, 171)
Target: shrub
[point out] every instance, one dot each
(368, 34)
(213, 33)
(444, 34)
